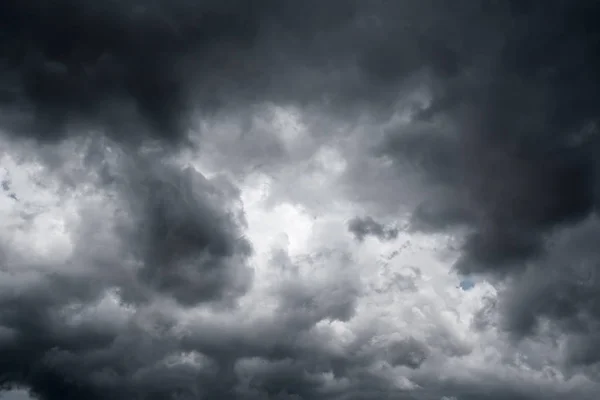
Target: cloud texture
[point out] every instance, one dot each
(279, 199)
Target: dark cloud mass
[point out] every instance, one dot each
(105, 97)
(367, 226)
(111, 63)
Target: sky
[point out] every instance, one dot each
(299, 200)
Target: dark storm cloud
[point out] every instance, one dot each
(561, 288)
(517, 154)
(510, 145)
(119, 65)
(175, 234)
(509, 139)
(151, 66)
(57, 341)
(441, 212)
(186, 230)
(112, 64)
(193, 248)
(367, 226)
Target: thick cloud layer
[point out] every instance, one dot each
(181, 182)
(525, 141)
(159, 63)
(113, 63)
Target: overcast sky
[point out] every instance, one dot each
(299, 200)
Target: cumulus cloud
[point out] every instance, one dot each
(188, 188)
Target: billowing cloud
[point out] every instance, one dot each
(188, 188)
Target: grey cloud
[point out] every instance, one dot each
(72, 61)
(367, 226)
(520, 168)
(175, 234)
(426, 150)
(409, 352)
(193, 248)
(439, 212)
(16, 395)
(307, 301)
(57, 340)
(512, 166)
(508, 146)
(561, 287)
(149, 67)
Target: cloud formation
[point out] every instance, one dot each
(181, 183)
(363, 227)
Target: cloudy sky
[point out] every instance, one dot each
(299, 200)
